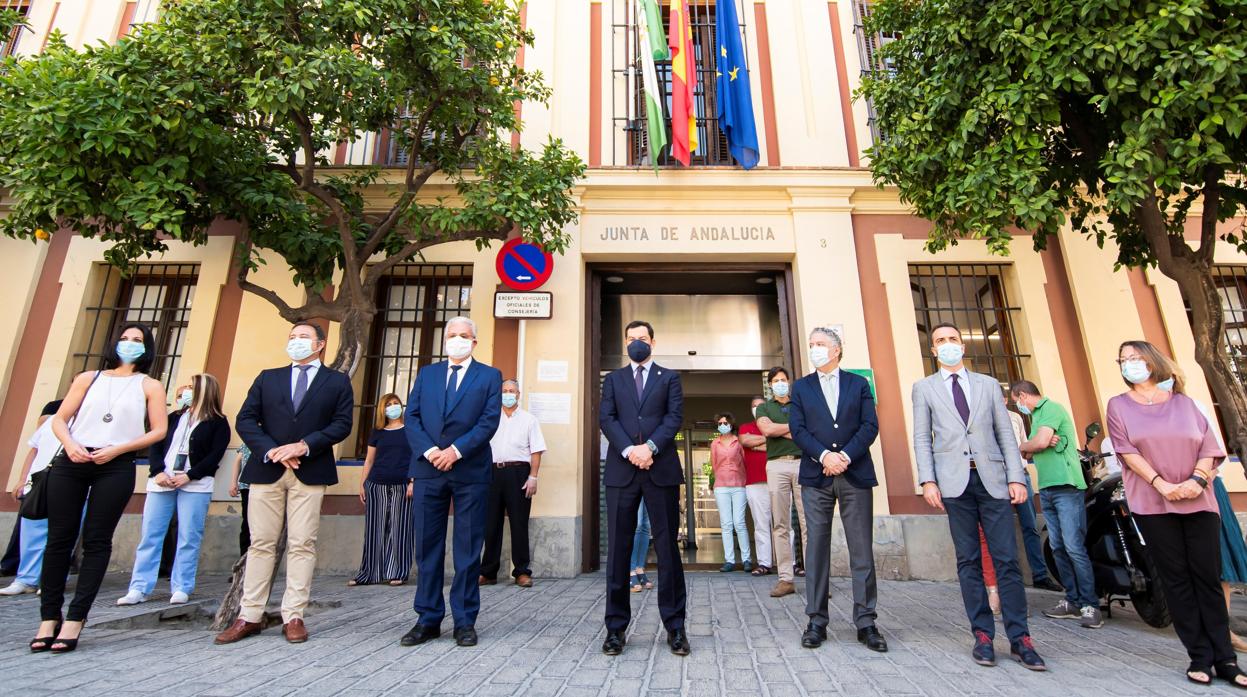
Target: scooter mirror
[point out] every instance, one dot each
(1093, 429)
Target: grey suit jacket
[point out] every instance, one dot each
(944, 444)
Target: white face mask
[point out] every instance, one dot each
(458, 347)
(820, 356)
(298, 349)
(754, 411)
(185, 399)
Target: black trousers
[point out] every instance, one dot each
(663, 505)
(506, 498)
(244, 532)
(1186, 549)
(8, 565)
(103, 490)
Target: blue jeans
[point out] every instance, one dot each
(158, 510)
(1066, 515)
(731, 502)
(1030, 535)
(640, 541)
(34, 540)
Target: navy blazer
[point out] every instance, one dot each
(850, 430)
(268, 419)
(205, 447)
(657, 417)
(468, 424)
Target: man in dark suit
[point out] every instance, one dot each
(291, 419)
(452, 413)
(833, 421)
(642, 410)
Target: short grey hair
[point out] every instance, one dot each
(462, 320)
(511, 381)
(830, 334)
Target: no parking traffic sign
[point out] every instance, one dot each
(523, 265)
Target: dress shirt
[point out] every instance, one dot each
(830, 384)
(963, 378)
(648, 366)
(311, 374)
(451, 374)
(517, 438)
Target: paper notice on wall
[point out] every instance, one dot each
(551, 407)
(551, 371)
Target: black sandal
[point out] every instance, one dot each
(1198, 669)
(67, 645)
(43, 643)
(760, 571)
(1231, 673)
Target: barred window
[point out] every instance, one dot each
(413, 303)
(869, 45)
(9, 42)
(628, 97)
(1231, 280)
(158, 295)
(973, 297)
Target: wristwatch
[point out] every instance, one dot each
(652, 448)
(1203, 483)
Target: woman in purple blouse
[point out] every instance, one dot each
(1171, 456)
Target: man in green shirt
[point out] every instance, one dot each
(783, 464)
(1054, 447)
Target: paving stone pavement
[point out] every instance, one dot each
(546, 640)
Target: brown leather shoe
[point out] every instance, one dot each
(294, 631)
(239, 630)
(524, 581)
(483, 581)
(783, 588)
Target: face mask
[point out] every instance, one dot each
(393, 411)
(1165, 385)
(458, 347)
(820, 356)
(1024, 409)
(185, 399)
(1135, 371)
(510, 399)
(299, 349)
(638, 351)
(780, 388)
(725, 429)
(130, 351)
(950, 354)
(754, 412)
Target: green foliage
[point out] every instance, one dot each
(9, 20)
(227, 108)
(1016, 113)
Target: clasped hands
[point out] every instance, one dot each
(443, 459)
(835, 464)
(288, 455)
(1189, 489)
(81, 455)
(641, 457)
(177, 481)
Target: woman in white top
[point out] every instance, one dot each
(180, 478)
(101, 425)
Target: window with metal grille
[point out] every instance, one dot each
(1231, 283)
(973, 297)
(628, 99)
(868, 47)
(158, 295)
(9, 42)
(413, 303)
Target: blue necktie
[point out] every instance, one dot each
(640, 382)
(453, 386)
(300, 385)
(959, 399)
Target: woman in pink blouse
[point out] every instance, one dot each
(727, 460)
(1171, 456)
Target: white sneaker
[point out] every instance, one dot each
(17, 588)
(132, 598)
(179, 598)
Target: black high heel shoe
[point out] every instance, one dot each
(67, 645)
(41, 644)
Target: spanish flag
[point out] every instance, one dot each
(683, 82)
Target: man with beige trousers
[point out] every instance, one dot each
(783, 465)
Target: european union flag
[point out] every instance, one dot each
(732, 83)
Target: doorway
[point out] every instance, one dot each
(721, 326)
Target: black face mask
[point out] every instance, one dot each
(638, 350)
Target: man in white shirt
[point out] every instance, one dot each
(517, 447)
(34, 533)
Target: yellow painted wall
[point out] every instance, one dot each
(22, 261)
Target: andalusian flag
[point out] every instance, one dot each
(683, 82)
(653, 46)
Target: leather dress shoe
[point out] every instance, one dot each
(294, 631)
(465, 636)
(813, 637)
(239, 630)
(1047, 584)
(420, 634)
(486, 581)
(678, 641)
(873, 640)
(614, 644)
(524, 581)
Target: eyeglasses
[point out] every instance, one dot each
(1127, 359)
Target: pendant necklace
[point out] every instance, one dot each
(108, 415)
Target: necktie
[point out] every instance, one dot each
(831, 392)
(640, 382)
(959, 399)
(300, 385)
(453, 386)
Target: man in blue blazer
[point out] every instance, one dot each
(833, 421)
(452, 413)
(291, 419)
(642, 411)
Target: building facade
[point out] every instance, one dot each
(734, 268)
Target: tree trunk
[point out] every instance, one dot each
(231, 604)
(353, 334)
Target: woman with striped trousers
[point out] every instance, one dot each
(385, 491)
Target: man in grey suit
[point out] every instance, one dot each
(969, 466)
